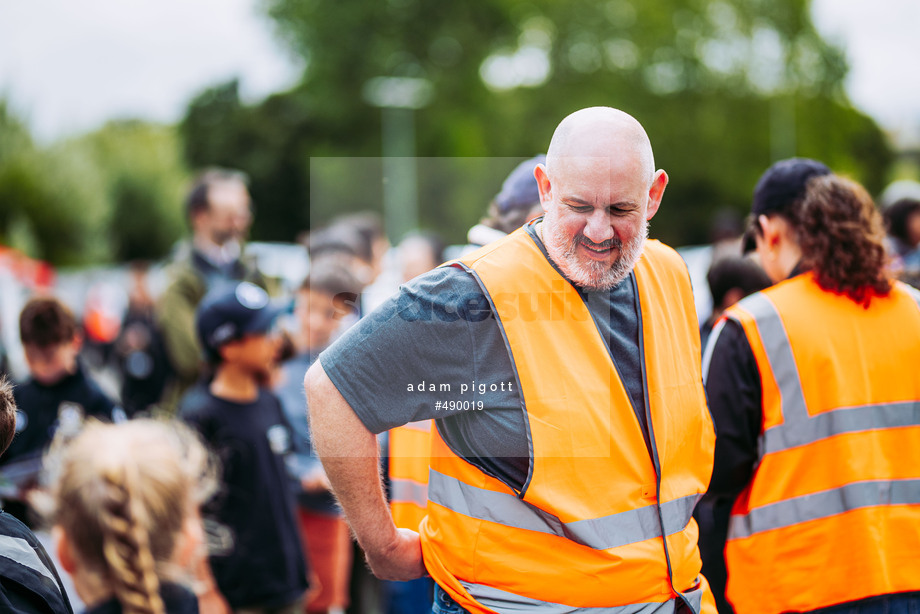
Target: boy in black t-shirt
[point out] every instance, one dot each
(256, 556)
(57, 396)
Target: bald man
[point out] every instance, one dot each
(561, 367)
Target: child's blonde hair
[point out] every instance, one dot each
(123, 493)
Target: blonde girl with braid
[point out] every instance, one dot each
(127, 527)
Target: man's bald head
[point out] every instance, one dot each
(601, 132)
(598, 189)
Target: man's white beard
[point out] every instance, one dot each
(591, 274)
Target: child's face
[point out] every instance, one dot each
(257, 354)
(318, 317)
(49, 365)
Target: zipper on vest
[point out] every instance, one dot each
(653, 448)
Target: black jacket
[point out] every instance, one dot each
(28, 580)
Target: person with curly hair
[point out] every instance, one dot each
(813, 387)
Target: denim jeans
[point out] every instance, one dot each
(894, 603)
(444, 604)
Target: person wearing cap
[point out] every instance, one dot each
(255, 548)
(517, 203)
(813, 387)
(560, 370)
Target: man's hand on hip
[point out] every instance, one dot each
(401, 560)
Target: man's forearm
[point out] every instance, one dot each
(350, 457)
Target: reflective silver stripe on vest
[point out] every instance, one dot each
(408, 491)
(798, 428)
(612, 531)
(504, 602)
(825, 504)
(20, 551)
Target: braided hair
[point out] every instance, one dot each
(123, 493)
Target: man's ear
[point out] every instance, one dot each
(544, 186)
(62, 547)
(656, 193)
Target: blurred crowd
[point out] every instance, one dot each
(212, 340)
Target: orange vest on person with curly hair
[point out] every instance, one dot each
(832, 513)
(585, 532)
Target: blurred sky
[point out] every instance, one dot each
(69, 66)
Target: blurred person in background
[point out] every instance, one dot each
(902, 221)
(517, 203)
(725, 234)
(813, 387)
(139, 349)
(379, 272)
(58, 395)
(126, 522)
(374, 242)
(342, 245)
(419, 252)
(730, 279)
(327, 294)
(256, 555)
(218, 210)
(29, 582)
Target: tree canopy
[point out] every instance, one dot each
(111, 195)
(724, 87)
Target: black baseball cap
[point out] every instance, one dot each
(231, 312)
(784, 183)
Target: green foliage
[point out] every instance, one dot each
(144, 182)
(47, 203)
(114, 194)
(724, 87)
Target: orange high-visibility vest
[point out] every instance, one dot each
(586, 532)
(410, 446)
(832, 513)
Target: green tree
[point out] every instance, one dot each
(48, 199)
(113, 194)
(724, 88)
(143, 184)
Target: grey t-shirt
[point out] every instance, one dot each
(438, 333)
